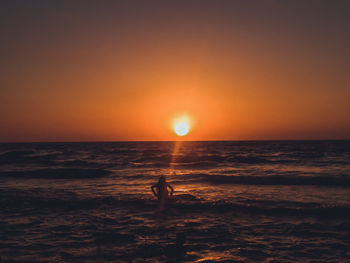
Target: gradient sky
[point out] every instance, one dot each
(123, 70)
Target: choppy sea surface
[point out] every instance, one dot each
(267, 201)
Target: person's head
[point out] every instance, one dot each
(162, 179)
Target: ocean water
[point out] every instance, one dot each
(272, 201)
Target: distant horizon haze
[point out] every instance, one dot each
(179, 141)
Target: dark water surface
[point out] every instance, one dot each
(234, 202)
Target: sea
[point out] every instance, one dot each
(233, 201)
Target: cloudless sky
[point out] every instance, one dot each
(123, 70)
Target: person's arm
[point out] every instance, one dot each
(171, 189)
(154, 192)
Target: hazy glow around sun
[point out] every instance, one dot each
(181, 125)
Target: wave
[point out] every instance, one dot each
(192, 156)
(57, 173)
(82, 163)
(27, 157)
(315, 211)
(34, 201)
(15, 156)
(339, 181)
(16, 153)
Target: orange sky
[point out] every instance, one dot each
(97, 71)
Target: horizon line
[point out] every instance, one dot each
(128, 141)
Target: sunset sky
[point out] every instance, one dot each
(125, 70)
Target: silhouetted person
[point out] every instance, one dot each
(162, 192)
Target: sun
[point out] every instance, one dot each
(181, 128)
(182, 124)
